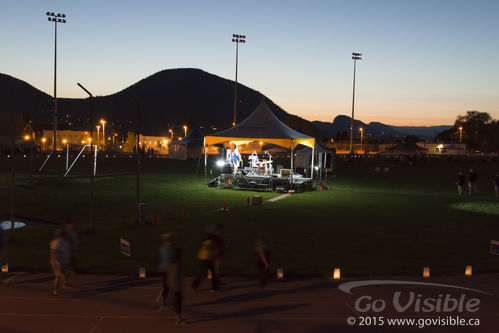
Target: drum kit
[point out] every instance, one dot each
(260, 167)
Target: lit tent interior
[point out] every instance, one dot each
(261, 125)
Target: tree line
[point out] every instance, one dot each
(476, 129)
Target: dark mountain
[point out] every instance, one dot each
(375, 130)
(23, 97)
(422, 131)
(342, 123)
(167, 98)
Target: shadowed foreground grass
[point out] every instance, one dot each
(367, 224)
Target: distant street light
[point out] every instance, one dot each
(185, 130)
(460, 139)
(236, 39)
(98, 128)
(56, 18)
(103, 122)
(171, 132)
(355, 57)
(361, 137)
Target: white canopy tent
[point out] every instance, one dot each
(261, 125)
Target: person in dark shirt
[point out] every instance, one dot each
(171, 268)
(263, 260)
(460, 183)
(472, 181)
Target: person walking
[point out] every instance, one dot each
(72, 237)
(472, 181)
(263, 260)
(206, 255)
(171, 269)
(219, 252)
(496, 184)
(59, 260)
(460, 183)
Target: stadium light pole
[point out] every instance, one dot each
(355, 57)
(56, 18)
(236, 39)
(92, 170)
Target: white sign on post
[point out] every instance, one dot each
(125, 247)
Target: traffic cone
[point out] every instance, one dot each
(158, 221)
(247, 201)
(321, 187)
(229, 181)
(224, 208)
(184, 212)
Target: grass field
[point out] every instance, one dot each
(367, 224)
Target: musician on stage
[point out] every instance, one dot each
(253, 160)
(236, 159)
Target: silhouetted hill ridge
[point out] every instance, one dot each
(166, 98)
(375, 129)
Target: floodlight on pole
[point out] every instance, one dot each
(98, 129)
(185, 130)
(56, 18)
(236, 39)
(355, 57)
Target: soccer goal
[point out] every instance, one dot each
(69, 167)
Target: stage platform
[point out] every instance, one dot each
(264, 183)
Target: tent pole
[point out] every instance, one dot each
(320, 162)
(204, 147)
(325, 167)
(312, 166)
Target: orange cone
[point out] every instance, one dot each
(224, 207)
(229, 181)
(158, 221)
(321, 187)
(184, 212)
(247, 201)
